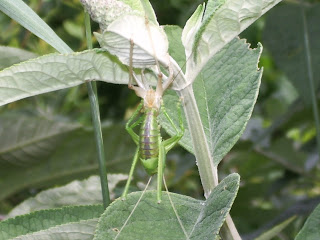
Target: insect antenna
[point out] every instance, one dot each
(175, 210)
(134, 208)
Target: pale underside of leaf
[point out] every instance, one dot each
(149, 41)
(83, 230)
(43, 220)
(57, 71)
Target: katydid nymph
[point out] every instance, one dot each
(151, 148)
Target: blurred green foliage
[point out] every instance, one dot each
(276, 158)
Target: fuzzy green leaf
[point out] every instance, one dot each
(226, 91)
(225, 21)
(191, 28)
(151, 220)
(310, 230)
(293, 24)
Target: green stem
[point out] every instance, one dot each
(208, 171)
(89, 41)
(99, 144)
(310, 78)
(95, 113)
(88, 30)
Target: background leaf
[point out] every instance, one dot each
(74, 157)
(10, 56)
(285, 24)
(275, 230)
(30, 140)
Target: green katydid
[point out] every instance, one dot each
(151, 148)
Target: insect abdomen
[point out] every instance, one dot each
(149, 136)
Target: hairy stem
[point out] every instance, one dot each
(208, 172)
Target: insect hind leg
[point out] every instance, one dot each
(130, 126)
(161, 165)
(142, 86)
(171, 142)
(133, 166)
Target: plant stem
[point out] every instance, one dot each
(95, 113)
(207, 170)
(310, 78)
(89, 42)
(99, 144)
(231, 228)
(88, 30)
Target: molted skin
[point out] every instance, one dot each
(149, 141)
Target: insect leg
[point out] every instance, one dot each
(135, 138)
(170, 78)
(165, 146)
(133, 166)
(141, 86)
(130, 83)
(129, 126)
(171, 142)
(161, 163)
